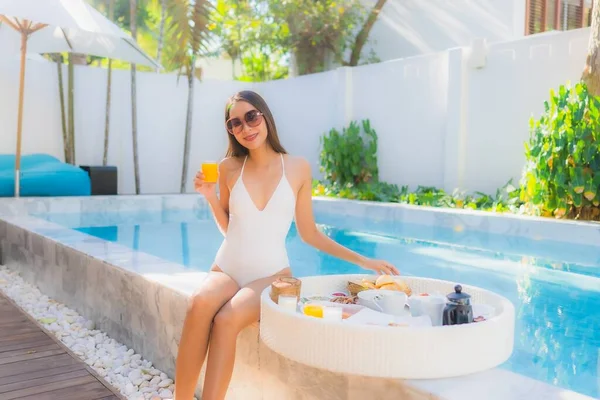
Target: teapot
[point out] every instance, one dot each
(458, 309)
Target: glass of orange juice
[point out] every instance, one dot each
(210, 170)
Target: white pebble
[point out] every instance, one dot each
(155, 381)
(165, 383)
(134, 375)
(128, 372)
(129, 389)
(138, 381)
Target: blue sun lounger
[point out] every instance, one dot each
(43, 175)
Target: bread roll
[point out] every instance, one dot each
(390, 286)
(398, 285)
(384, 280)
(368, 284)
(404, 287)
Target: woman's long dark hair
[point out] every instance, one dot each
(235, 149)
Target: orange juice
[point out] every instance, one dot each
(313, 310)
(210, 171)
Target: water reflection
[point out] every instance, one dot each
(557, 338)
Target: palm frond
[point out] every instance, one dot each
(200, 20)
(189, 30)
(179, 29)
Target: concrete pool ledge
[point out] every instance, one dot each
(145, 310)
(537, 228)
(459, 220)
(495, 384)
(140, 300)
(142, 304)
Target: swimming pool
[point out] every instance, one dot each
(555, 286)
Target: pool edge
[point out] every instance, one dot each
(39, 258)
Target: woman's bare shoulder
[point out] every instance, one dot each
(229, 164)
(298, 166)
(230, 167)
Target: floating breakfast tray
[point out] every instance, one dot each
(386, 351)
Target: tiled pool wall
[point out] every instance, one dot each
(576, 232)
(140, 300)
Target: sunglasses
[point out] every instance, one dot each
(253, 118)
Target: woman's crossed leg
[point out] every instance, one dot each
(216, 289)
(238, 313)
(217, 313)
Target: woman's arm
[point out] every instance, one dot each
(219, 204)
(312, 236)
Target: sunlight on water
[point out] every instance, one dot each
(557, 302)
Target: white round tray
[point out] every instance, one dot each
(390, 352)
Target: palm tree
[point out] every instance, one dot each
(161, 30)
(136, 164)
(189, 30)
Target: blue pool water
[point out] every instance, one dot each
(555, 287)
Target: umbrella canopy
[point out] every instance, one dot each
(67, 26)
(63, 25)
(63, 13)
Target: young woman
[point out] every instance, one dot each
(262, 189)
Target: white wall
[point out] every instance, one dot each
(405, 101)
(440, 120)
(220, 69)
(304, 108)
(503, 96)
(407, 28)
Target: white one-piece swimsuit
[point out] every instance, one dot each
(254, 244)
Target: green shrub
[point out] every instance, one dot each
(562, 174)
(350, 157)
(505, 200)
(348, 161)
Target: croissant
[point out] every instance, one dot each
(404, 287)
(384, 280)
(368, 284)
(399, 286)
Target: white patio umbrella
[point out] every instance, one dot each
(52, 26)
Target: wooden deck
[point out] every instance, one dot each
(34, 365)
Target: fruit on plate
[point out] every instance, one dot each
(339, 294)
